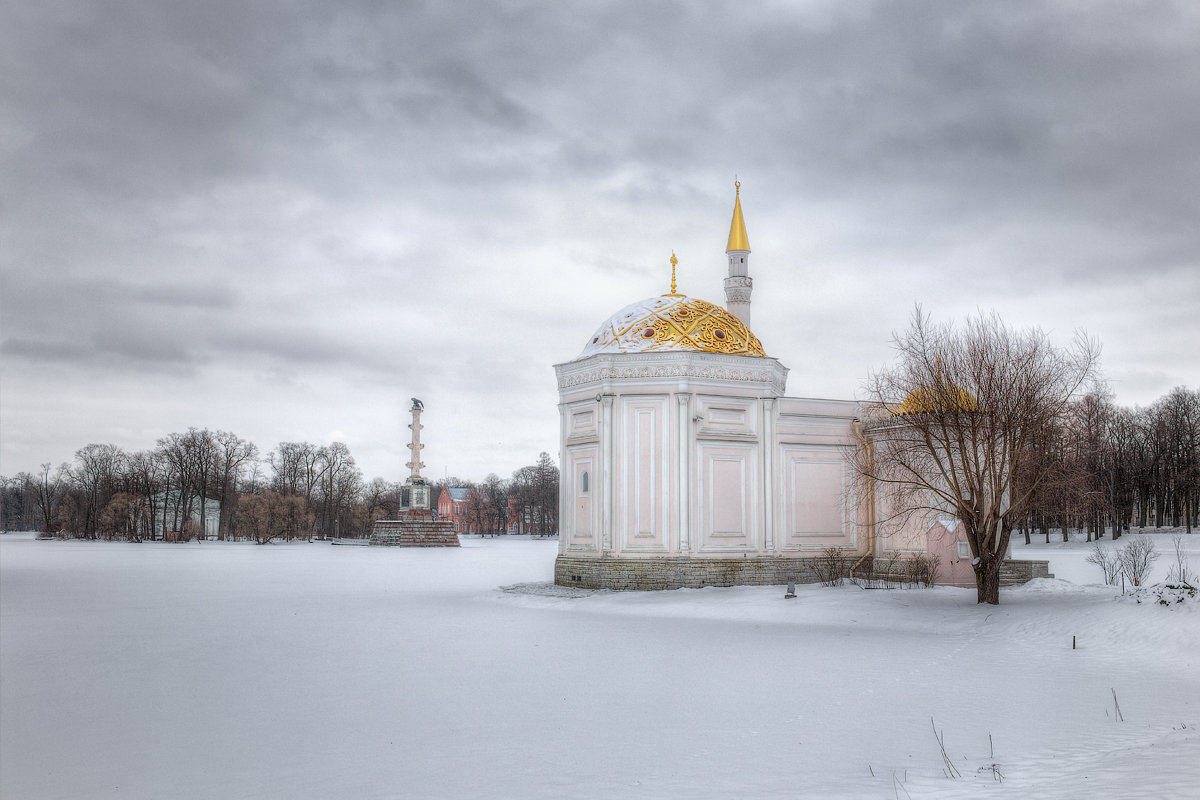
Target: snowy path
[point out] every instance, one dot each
(309, 671)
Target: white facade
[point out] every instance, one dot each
(700, 454)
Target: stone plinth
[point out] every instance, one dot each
(414, 529)
(678, 572)
(666, 572)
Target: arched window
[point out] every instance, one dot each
(583, 483)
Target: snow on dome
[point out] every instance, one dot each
(673, 322)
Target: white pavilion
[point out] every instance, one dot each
(684, 463)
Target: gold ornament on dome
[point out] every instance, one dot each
(674, 323)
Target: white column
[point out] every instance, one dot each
(683, 448)
(769, 494)
(607, 499)
(566, 483)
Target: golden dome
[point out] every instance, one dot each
(941, 397)
(673, 323)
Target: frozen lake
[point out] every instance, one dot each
(221, 670)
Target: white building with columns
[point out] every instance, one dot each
(684, 463)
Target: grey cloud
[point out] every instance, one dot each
(44, 351)
(124, 350)
(180, 295)
(266, 186)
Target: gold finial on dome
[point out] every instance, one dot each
(737, 228)
(674, 261)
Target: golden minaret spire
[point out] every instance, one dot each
(737, 228)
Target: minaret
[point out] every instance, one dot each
(738, 285)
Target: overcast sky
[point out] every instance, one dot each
(286, 219)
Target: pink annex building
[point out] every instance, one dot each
(684, 462)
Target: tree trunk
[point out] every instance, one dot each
(987, 581)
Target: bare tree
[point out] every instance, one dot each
(1178, 433)
(18, 502)
(535, 491)
(339, 484)
(146, 476)
(271, 515)
(965, 424)
(234, 456)
(48, 493)
(375, 502)
(296, 468)
(124, 517)
(475, 511)
(495, 495)
(178, 453)
(94, 474)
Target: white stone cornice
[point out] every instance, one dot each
(767, 372)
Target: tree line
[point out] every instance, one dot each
(299, 490)
(1122, 467)
(527, 502)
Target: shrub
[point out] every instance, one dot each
(1180, 574)
(831, 566)
(1136, 558)
(1108, 562)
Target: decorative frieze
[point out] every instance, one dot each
(597, 369)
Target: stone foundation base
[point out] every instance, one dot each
(414, 530)
(676, 572)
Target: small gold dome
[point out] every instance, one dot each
(942, 397)
(673, 322)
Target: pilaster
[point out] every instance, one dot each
(683, 469)
(607, 472)
(767, 454)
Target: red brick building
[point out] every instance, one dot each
(452, 506)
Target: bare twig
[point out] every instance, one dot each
(951, 770)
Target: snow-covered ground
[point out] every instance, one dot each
(307, 671)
